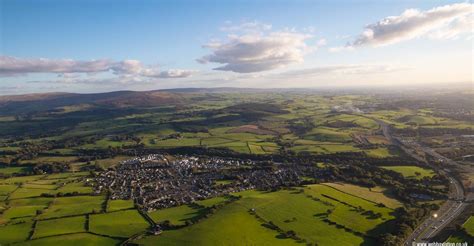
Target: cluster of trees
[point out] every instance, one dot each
(405, 222)
(50, 168)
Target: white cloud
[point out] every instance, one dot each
(127, 67)
(463, 24)
(256, 52)
(413, 23)
(13, 65)
(70, 70)
(176, 73)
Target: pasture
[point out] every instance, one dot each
(15, 233)
(377, 194)
(123, 223)
(60, 226)
(77, 239)
(315, 213)
(114, 205)
(175, 215)
(220, 229)
(75, 205)
(411, 172)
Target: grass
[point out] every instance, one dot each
(375, 139)
(114, 205)
(21, 212)
(346, 214)
(214, 141)
(23, 179)
(175, 215)
(287, 209)
(14, 233)
(256, 149)
(328, 134)
(110, 162)
(212, 201)
(51, 159)
(75, 187)
(376, 194)
(12, 170)
(294, 211)
(37, 201)
(67, 175)
(66, 206)
(411, 171)
(381, 152)
(333, 148)
(124, 223)
(469, 226)
(5, 189)
(78, 239)
(177, 142)
(221, 229)
(29, 192)
(60, 226)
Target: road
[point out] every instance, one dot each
(449, 210)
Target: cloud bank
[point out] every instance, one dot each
(412, 23)
(68, 68)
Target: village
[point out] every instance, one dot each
(158, 181)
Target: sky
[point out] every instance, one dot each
(101, 45)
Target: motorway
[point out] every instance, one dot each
(449, 210)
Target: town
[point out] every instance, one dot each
(158, 181)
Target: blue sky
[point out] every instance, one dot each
(169, 36)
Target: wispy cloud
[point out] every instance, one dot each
(451, 20)
(257, 51)
(246, 27)
(342, 69)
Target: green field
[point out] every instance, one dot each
(29, 192)
(114, 205)
(7, 188)
(220, 229)
(412, 172)
(76, 205)
(12, 170)
(212, 201)
(289, 210)
(379, 152)
(377, 194)
(123, 223)
(347, 213)
(52, 227)
(77, 239)
(175, 215)
(78, 187)
(15, 233)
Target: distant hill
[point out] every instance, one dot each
(28, 103)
